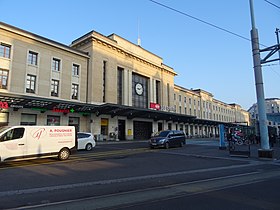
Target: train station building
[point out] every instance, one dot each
(101, 84)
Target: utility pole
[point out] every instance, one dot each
(265, 150)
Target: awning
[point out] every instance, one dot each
(43, 104)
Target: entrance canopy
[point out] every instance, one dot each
(43, 104)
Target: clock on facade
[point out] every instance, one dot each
(139, 89)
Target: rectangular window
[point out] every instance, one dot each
(168, 94)
(158, 92)
(53, 120)
(139, 91)
(3, 79)
(5, 50)
(54, 88)
(75, 91)
(30, 83)
(180, 98)
(55, 64)
(120, 85)
(28, 119)
(75, 70)
(33, 58)
(104, 80)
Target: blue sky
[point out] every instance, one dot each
(203, 56)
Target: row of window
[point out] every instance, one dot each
(31, 84)
(56, 63)
(5, 52)
(31, 87)
(207, 115)
(205, 105)
(55, 89)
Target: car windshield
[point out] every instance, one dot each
(162, 134)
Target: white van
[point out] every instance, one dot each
(18, 142)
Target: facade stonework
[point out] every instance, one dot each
(101, 84)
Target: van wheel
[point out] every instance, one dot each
(64, 154)
(166, 145)
(88, 147)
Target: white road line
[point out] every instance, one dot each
(159, 193)
(120, 180)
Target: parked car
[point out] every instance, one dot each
(168, 138)
(86, 141)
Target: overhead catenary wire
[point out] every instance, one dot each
(203, 21)
(278, 7)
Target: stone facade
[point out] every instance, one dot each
(98, 71)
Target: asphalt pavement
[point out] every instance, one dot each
(244, 151)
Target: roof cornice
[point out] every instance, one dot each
(98, 38)
(35, 37)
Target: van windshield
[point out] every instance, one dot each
(162, 134)
(2, 129)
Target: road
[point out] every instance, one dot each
(132, 176)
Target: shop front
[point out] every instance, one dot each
(111, 121)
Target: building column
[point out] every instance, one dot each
(151, 90)
(127, 87)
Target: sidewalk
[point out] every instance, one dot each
(215, 143)
(241, 151)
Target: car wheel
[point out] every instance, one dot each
(166, 145)
(181, 144)
(89, 147)
(64, 154)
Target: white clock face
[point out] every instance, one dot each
(139, 89)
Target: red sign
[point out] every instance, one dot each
(4, 105)
(154, 106)
(61, 110)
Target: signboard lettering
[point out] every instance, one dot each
(4, 105)
(154, 106)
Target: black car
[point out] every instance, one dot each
(168, 138)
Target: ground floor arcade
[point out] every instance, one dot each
(105, 121)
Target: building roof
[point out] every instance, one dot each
(126, 47)
(41, 39)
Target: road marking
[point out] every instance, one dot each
(159, 193)
(120, 180)
(207, 156)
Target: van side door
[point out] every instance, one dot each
(13, 143)
(171, 139)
